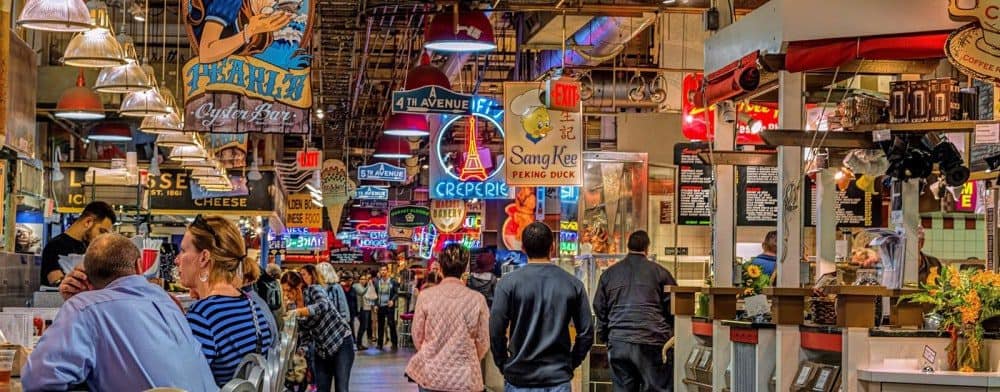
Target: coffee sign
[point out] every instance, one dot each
(975, 48)
(252, 69)
(448, 215)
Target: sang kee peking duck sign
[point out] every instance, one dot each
(251, 72)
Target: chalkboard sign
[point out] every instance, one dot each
(694, 186)
(855, 208)
(757, 196)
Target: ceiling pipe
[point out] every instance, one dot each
(606, 37)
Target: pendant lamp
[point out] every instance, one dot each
(154, 164)
(55, 15)
(205, 172)
(393, 147)
(406, 124)
(169, 123)
(204, 163)
(473, 33)
(126, 78)
(426, 75)
(187, 153)
(79, 102)
(110, 132)
(144, 104)
(177, 140)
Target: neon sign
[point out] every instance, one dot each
(479, 177)
(305, 242)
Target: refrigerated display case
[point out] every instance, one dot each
(612, 201)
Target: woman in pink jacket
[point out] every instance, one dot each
(450, 330)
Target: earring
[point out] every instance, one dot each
(203, 277)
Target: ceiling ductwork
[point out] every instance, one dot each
(609, 91)
(599, 40)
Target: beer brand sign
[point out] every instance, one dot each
(252, 70)
(975, 48)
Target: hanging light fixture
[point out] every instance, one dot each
(406, 124)
(154, 163)
(177, 140)
(164, 123)
(393, 147)
(125, 78)
(79, 102)
(68, 16)
(472, 32)
(97, 47)
(205, 172)
(187, 153)
(254, 173)
(204, 163)
(144, 104)
(426, 75)
(110, 132)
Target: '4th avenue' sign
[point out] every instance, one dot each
(431, 99)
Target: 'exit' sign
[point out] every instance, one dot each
(309, 159)
(563, 95)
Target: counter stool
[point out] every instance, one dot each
(405, 336)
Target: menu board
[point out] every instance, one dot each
(855, 208)
(695, 185)
(757, 196)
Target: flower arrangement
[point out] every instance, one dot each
(964, 300)
(754, 280)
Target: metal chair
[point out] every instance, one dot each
(238, 385)
(405, 330)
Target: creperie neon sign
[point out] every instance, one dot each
(450, 185)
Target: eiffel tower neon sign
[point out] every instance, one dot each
(472, 169)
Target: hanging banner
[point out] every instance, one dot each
(543, 147)
(431, 99)
(464, 162)
(409, 216)
(261, 84)
(381, 171)
(368, 192)
(448, 215)
(230, 149)
(302, 212)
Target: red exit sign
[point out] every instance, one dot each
(309, 159)
(563, 95)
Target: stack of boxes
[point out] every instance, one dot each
(935, 100)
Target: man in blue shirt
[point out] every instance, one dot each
(124, 334)
(768, 260)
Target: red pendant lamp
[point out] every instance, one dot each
(406, 125)
(393, 147)
(426, 75)
(111, 132)
(472, 33)
(80, 102)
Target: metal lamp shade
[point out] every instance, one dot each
(207, 163)
(426, 75)
(187, 153)
(55, 15)
(144, 104)
(122, 79)
(110, 132)
(207, 172)
(169, 123)
(393, 147)
(94, 48)
(474, 33)
(80, 103)
(176, 140)
(406, 124)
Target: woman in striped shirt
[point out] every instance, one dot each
(228, 323)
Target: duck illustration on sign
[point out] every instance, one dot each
(975, 48)
(535, 120)
(251, 69)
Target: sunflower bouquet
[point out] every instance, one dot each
(754, 280)
(963, 300)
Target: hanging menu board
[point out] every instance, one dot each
(694, 187)
(855, 208)
(757, 196)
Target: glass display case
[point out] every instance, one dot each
(612, 201)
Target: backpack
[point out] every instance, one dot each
(270, 291)
(484, 287)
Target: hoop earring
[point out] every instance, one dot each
(203, 277)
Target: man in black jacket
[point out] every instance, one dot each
(536, 303)
(633, 316)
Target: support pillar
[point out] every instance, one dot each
(906, 221)
(826, 222)
(723, 249)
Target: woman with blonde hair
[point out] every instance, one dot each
(324, 329)
(228, 323)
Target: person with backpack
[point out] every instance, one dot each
(482, 280)
(269, 289)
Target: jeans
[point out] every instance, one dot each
(336, 371)
(567, 387)
(364, 327)
(639, 367)
(387, 318)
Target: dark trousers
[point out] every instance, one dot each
(387, 318)
(335, 372)
(639, 367)
(364, 327)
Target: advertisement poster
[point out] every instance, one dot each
(520, 213)
(467, 158)
(260, 85)
(302, 212)
(544, 147)
(695, 185)
(230, 149)
(28, 232)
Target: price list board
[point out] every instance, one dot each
(757, 196)
(694, 187)
(855, 208)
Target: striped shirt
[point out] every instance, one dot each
(225, 328)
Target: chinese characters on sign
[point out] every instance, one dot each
(543, 146)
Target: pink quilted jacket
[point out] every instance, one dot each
(451, 332)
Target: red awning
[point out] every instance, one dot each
(804, 56)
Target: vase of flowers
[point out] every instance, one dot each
(963, 300)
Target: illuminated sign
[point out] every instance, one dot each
(410, 216)
(305, 242)
(448, 215)
(373, 239)
(569, 228)
(569, 194)
(382, 172)
(543, 147)
(698, 124)
(471, 171)
(369, 192)
(309, 159)
(431, 99)
(966, 198)
(563, 95)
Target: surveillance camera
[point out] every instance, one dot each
(728, 111)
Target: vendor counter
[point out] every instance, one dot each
(895, 360)
(915, 380)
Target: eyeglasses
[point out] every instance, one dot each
(201, 223)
